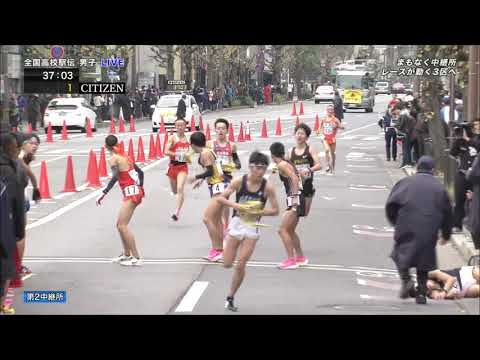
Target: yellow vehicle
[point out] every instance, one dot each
(356, 88)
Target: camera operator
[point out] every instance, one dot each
(465, 147)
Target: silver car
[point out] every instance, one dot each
(382, 87)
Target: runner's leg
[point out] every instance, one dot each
(288, 221)
(124, 217)
(213, 221)
(295, 239)
(181, 178)
(332, 149)
(230, 251)
(308, 205)
(246, 250)
(173, 185)
(327, 153)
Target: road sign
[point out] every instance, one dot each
(57, 52)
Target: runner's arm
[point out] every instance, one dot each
(236, 159)
(234, 186)
(274, 209)
(294, 179)
(317, 165)
(444, 278)
(113, 180)
(168, 148)
(208, 160)
(140, 173)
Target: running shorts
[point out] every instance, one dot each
(134, 193)
(301, 206)
(330, 140)
(174, 170)
(240, 231)
(308, 189)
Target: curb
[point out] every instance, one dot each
(461, 241)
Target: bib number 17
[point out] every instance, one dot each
(132, 190)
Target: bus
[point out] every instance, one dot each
(356, 88)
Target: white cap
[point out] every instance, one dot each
(459, 102)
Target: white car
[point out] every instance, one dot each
(324, 93)
(167, 107)
(74, 111)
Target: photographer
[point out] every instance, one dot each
(464, 148)
(387, 122)
(405, 127)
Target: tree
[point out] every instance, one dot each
(164, 55)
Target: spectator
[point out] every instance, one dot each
(445, 111)
(22, 106)
(137, 104)
(338, 106)
(473, 176)
(34, 111)
(211, 99)
(387, 122)
(98, 102)
(405, 127)
(13, 112)
(418, 207)
(12, 213)
(182, 107)
(290, 91)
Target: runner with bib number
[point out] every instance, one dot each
(328, 127)
(130, 179)
(216, 186)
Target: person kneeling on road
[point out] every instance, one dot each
(456, 283)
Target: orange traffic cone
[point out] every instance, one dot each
(241, 137)
(151, 152)
(49, 133)
(301, 108)
(264, 133)
(141, 153)
(297, 122)
(44, 187)
(165, 140)
(247, 132)
(162, 126)
(102, 165)
(64, 131)
(231, 133)
(158, 147)
(278, 128)
(112, 125)
(192, 125)
(317, 124)
(208, 136)
(294, 110)
(69, 179)
(29, 128)
(131, 153)
(89, 129)
(121, 124)
(93, 180)
(200, 124)
(132, 124)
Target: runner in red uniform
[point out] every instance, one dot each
(178, 149)
(328, 127)
(130, 179)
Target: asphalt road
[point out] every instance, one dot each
(346, 237)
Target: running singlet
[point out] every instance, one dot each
(129, 183)
(464, 278)
(330, 130)
(302, 162)
(215, 182)
(181, 149)
(258, 199)
(288, 190)
(224, 157)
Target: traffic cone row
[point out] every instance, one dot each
(102, 166)
(141, 154)
(317, 124)
(278, 128)
(132, 124)
(151, 153)
(231, 133)
(112, 125)
(44, 186)
(89, 129)
(49, 133)
(241, 137)
(162, 126)
(207, 135)
(131, 153)
(301, 109)
(121, 124)
(294, 109)
(158, 148)
(64, 131)
(247, 132)
(264, 133)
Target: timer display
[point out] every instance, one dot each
(51, 81)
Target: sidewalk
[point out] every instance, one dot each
(462, 241)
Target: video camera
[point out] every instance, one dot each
(458, 130)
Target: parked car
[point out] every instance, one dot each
(167, 107)
(324, 93)
(398, 88)
(74, 111)
(382, 87)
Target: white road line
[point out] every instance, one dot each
(368, 206)
(360, 128)
(73, 205)
(47, 161)
(192, 296)
(360, 166)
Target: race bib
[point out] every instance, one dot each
(134, 176)
(302, 167)
(328, 129)
(218, 188)
(132, 190)
(180, 156)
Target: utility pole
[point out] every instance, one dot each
(4, 90)
(473, 105)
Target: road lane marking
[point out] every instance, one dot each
(360, 128)
(192, 296)
(368, 206)
(52, 216)
(47, 161)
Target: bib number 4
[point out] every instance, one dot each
(218, 188)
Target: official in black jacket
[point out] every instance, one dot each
(182, 107)
(418, 207)
(12, 215)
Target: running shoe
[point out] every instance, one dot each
(229, 304)
(132, 261)
(120, 258)
(301, 260)
(174, 217)
(214, 255)
(288, 264)
(25, 271)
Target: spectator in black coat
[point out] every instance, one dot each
(418, 207)
(338, 106)
(12, 214)
(182, 107)
(34, 114)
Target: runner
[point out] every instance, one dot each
(178, 148)
(252, 192)
(216, 185)
(328, 127)
(295, 208)
(227, 157)
(306, 160)
(130, 179)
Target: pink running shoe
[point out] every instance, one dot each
(214, 255)
(288, 264)
(301, 260)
